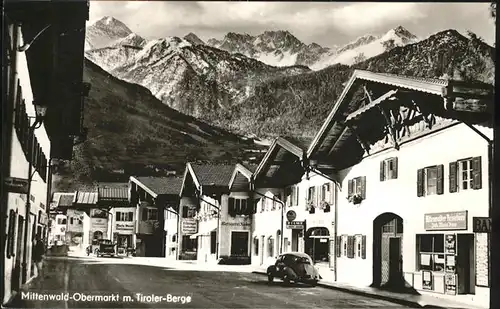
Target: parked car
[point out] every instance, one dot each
(296, 267)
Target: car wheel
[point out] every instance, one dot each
(286, 279)
(270, 278)
(314, 283)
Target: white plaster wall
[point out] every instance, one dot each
(399, 195)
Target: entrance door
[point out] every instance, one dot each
(295, 240)
(465, 264)
(395, 271)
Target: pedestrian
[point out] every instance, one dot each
(39, 254)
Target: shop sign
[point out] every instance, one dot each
(236, 223)
(99, 223)
(481, 225)
(125, 226)
(450, 243)
(456, 220)
(188, 226)
(300, 225)
(450, 284)
(426, 280)
(291, 215)
(16, 185)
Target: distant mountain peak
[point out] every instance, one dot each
(112, 23)
(193, 39)
(105, 31)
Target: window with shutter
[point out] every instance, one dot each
(363, 187)
(382, 170)
(145, 214)
(231, 207)
(439, 180)
(337, 246)
(395, 168)
(363, 247)
(420, 182)
(453, 181)
(350, 188)
(350, 247)
(476, 173)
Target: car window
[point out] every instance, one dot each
(303, 260)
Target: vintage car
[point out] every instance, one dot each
(107, 247)
(294, 266)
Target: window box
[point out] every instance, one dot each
(355, 198)
(356, 191)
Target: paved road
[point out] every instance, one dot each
(123, 283)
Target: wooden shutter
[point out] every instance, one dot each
(420, 182)
(338, 243)
(349, 188)
(144, 214)
(363, 247)
(453, 181)
(363, 187)
(476, 173)
(382, 170)
(440, 182)
(231, 206)
(395, 168)
(350, 247)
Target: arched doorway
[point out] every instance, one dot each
(387, 251)
(316, 244)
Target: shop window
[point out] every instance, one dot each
(430, 180)
(431, 253)
(188, 244)
(389, 169)
(213, 242)
(239, 243)
(465, 174)
(124, 216)
(149, 214)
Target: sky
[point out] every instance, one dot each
(326, 23)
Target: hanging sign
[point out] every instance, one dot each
(295, 225)
(291, 215)
(16, 185)
(481, 225)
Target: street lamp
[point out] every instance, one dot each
(40, 112)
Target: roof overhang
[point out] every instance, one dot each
(143, 186)
(457, 97)
(243, 171)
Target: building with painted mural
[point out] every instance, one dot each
(412, 197)
(114, 199)
(306, 223)
(36, 127)
(157, 201)
(77, 228)
(222, 213)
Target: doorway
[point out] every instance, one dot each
(466, 264)
(387, 251)
(295, 240)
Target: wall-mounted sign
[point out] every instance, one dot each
(16, 185)
(450, 284)
(483, 263)
(99, 223)
(481, 225)
(43, 218)
(450, 264)
(236, 223)
(456, 220)
(125, 226)
(426, 280)
(189, 226)
(291, 215)
(299, 225)
(450, 243)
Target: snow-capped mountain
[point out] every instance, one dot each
(104, 31)
(366, 47)
(193, 39)
(185, 74)
(277, 48)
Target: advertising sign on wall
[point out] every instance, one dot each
(125, 227)
(426, 280)
(98, 223)
(450, 284)
(450, 243)
(456, 220)
(189, 226)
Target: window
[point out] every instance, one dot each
(465, 174)
(11, 245)
(431, 253)
(71, 221)
(310, 194)
(270, 246)
(430, 180)
(239, 243)
(99, 213)
(238, 206)
(356, 189)
(61, 221)
(256, 246)
(213, 242)
(124, 216)
(149, 214)
(188, 212)
(389, 169)
(344, 244)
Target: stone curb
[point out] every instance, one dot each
(404, 302)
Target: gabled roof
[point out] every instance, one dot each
(239, 168)
(278, 142)
(444, 88)
(159, 185)
(86, 198)
(113, 194)
(212, 174)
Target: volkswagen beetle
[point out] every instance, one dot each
(296, 267)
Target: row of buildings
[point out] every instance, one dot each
(42, 119)
(394, 190)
